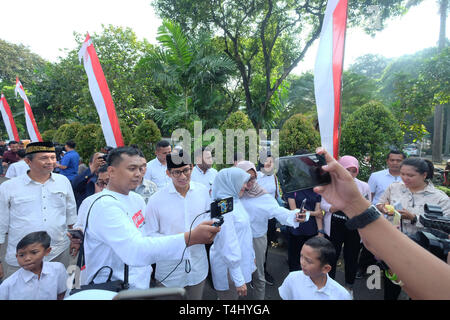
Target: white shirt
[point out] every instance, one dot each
(156, 172)
(205, 178)
(232, 250)
(298, 286)
(169, 213)
(25, 285)
(379, 181)
(267, 183)
(27, 206)
(113, 238)
(263, 208)
(17, 169)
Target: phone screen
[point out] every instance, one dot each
(302, 172)
(222, 206)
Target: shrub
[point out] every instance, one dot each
(127, 135)
(368, 135)
(445, 189)
(48, 135)
(71, 132)
(85, 140)
(145, 136)
(298, 132)
(59, 135)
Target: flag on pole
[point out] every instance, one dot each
(8, 119)
(32, 128)
(328, 74)
(100, 94)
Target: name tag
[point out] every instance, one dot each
(138, 219)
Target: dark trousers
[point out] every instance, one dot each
(340, 235)
(366, 259)
(271, 236)
(295, 244)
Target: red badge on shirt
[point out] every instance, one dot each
(138, 218)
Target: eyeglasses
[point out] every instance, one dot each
(177, 173)
(101, 183)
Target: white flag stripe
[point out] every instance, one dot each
(99, 103)
(8, 125)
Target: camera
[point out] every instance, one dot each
(219, 208)
(434, 218)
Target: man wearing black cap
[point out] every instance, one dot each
(36, 201)
(176, 208)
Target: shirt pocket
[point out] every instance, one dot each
(23, 203)
(57, 199)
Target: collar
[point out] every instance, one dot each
(429, 189)
(159, 163)
(200, 170)
(325, 289)
(389, 174)
(28, 275)
(27, 179)
(171, 187)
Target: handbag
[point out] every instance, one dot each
(116, 285)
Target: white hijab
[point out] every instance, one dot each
(228, 183)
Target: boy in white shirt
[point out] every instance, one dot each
(36, 279)
(313, 282)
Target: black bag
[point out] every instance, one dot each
(116, 285)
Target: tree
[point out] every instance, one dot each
(85, 140)
(145, 136)
(298, 133)
(267, 38)
(368, 135)
(190, 74)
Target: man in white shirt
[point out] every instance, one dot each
(156, 168)
(113, 234)
(203, 171)
(380, 180)
(38, 200)
(17, 168)
(178, 207)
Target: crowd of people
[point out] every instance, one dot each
(152, 218)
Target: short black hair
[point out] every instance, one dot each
(396, 152)
(12, 142)
(71, 144)
(21, 153)
(103, 168)
(420, 165)
(326, 250)
(41, 237)
(115, 155)
(162, 144)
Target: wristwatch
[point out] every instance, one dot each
(363, 219)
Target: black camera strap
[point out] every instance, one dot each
(81, 261)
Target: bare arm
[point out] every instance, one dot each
(425, 279)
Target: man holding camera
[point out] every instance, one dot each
(178, 207)
(84, 184)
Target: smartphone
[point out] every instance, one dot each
(221, 206)
(77, 234)
(302, 172)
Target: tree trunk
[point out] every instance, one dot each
(438, 113)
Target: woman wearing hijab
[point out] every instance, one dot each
(262, 206)
(339, 234)
(232, 256)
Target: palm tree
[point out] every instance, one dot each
(190, 73)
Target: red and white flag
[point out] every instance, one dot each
(100, 94)
(32, 128)
(8, 119)
(328, 74)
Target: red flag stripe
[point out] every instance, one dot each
(104, 89)
(10, 118)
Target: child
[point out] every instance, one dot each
(36, 279)
(313, 282)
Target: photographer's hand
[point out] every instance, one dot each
(202, 234)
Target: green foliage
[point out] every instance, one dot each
(48, 135)
(85, 140)
(70, 132)
(297, 133)
(146, 135)
(127, 135)
(368, 135)
(445, 189)
(60, 134)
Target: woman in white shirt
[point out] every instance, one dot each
(232, 256)
(262, 206)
